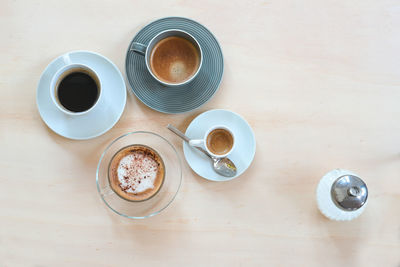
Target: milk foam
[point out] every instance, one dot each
(137, 172)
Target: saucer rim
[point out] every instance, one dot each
(83, 115)
(252, 157)
(191, 21)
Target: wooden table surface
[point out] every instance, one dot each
(318, 81)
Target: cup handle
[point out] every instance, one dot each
(198, 143)
(67, 59)
(107, 191)
(138, 48)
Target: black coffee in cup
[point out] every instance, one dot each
(78, 90)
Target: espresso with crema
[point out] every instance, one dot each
(174, 59)
(219, 141)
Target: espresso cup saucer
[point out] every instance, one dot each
(242, 154)
(182, 98)
(98, 120)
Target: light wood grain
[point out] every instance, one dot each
(319, 82)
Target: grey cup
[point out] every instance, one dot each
(146, 52)
(176, 99)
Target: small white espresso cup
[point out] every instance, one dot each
(64, 72)
(203, 143)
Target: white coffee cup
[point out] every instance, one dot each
(64, 72)
(207, 145)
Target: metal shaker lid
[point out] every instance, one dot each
(349, 192)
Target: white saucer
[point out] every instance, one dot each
(245, 143)
(103, 116)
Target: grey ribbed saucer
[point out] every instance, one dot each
(186, 97)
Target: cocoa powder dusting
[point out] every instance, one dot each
(136, 167)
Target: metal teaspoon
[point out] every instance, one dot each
(222, 166)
